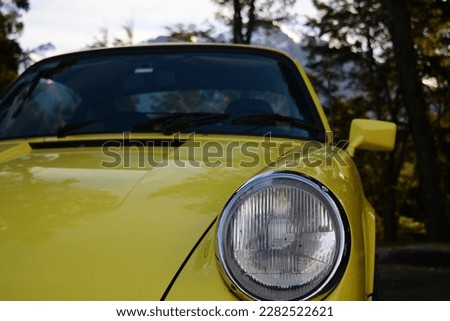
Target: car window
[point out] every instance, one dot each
(122, 92)
(40, 111)
(192, 101)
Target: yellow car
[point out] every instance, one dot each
(180, 172)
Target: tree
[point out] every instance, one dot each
(103, 40)
(191, 33)
(430, 33)
(243, 17)
(433, 197)
(10, 29)
(247, 16)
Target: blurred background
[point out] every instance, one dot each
(378, 59)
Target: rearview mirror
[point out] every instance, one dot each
(370, 134)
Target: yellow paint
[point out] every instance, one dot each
(14, 152)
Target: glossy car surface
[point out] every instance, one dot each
(180, 172)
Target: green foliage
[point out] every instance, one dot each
(431, 33)
(104, 41)
(191, 33)
(10, 29)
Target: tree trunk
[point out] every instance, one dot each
(238, 26)
(251, 23)
(433, 197)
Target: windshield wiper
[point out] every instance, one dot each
(169, 122)
(70, 127)
(175, 122)
(194, 120)
(272, 118)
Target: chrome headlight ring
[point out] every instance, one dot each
(283, 236)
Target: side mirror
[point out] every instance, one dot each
(371, 135)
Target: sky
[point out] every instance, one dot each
(72, 25)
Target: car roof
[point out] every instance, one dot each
(167, 47)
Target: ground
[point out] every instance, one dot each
(414, 272)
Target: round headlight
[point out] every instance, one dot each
(281, 237)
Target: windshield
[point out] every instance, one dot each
(147, 91)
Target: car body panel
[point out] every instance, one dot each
(100, 241)
(98, 222)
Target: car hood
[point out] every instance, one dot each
(74, 225)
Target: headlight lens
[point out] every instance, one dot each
(281, 237)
